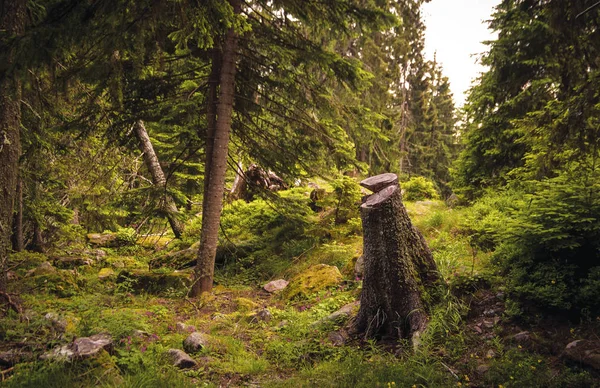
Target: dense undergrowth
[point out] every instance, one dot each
(469, 342)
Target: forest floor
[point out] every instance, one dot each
(255, 338)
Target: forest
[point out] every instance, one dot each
(282, 193)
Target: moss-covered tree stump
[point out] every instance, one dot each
(398, 266)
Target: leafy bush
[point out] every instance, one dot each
(549, 250)
(419, 188)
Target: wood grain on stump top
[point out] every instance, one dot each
(379, 197)
(378, 182)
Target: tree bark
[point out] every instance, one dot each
(17, 236)
(213, 196)
(158, 177)
(12, 20)
(398, 266)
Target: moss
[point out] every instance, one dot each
(316, 278)
(245, 304)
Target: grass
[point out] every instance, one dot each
(290, 350)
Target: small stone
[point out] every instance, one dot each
(195, 342)
(102, 239)
(488, 324)
(181, 359)
(336, 338)
(118, 264)
(341, 314)
(275, 285)
(490, 354)
(489, 313)
(57, 322)
(264, 315)
(12, 275)
(500, 296)
(522, 337)
(184, 328)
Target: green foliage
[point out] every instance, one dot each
(347, 197)
(419, 188)
(126, 236)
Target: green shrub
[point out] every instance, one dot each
(419, 188)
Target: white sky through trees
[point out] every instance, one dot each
(455, 31)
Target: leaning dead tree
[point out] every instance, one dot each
(398, 266)
(158, 177)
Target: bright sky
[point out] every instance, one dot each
(455, 30)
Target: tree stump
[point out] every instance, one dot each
(398, 266)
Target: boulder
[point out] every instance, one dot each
(43, 269)
(181, 359)
(585, 352)
(195, 342)
(185, 258)
(10, 357)
(156, 282)
(102, 239)
(80, 348)
(359, 267)
(72, 262)
(316, 278)
(276, 285)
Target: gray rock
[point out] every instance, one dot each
(102, 239)
(341, 315)
(490, 354)
(72, 262)
(80, 348)
(482, 369)
(522, 337)
(585, 352)
(263, 315)
(184, 328)
(56, 321)
(336, 338)
(43, 269)
(10, 357)
(359, 267)
(195, 342)
(276, 285)
(181, 359)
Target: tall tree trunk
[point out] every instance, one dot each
(12, 21)
(398, 266)
(17, 236)
(213, 196)
(158, 177)
(211, 117)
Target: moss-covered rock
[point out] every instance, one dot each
(185, 258)
(315, 278)
(102, 239)
(106, 273)
(245, 304)
(155, 282)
